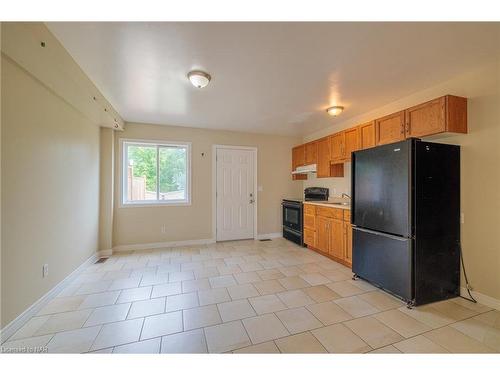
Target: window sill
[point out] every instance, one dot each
(155, 204)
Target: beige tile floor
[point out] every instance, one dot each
(245, 297)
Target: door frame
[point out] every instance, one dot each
(254, 150)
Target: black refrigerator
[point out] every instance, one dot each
(406, 219)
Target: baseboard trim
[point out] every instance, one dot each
(31, 311)
(482, 298)
(269, 235)
(157, 245)
(105, 253)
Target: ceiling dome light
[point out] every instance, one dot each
(335, 110)
(198, 78)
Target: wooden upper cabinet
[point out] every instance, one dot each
(367, 135)
(298, 159)
(445, 114)
(311, 150)
(391, 128)
(299, 155)
(351, 142)
(323, 164)
(337, 144)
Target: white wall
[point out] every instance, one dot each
(50, 189)
(337, 185)
(140, 225)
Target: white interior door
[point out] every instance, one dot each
(235, 194)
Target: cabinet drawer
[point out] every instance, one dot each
(309, 237)
(334, 213)
(310, 222)
(309, 209)
(347, 215)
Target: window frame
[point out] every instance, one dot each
(124, 143)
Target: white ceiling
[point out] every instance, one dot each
(269, 77)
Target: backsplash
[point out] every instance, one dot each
(337, 185)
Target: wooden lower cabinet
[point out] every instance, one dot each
(336, 238)
(310, 237)
(322, 234)
(348, 243)
(332, 234)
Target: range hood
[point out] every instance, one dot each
(311, 168)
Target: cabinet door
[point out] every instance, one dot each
(337, 238)
(390, 128)
(322, 233)
(323, 165)
(426, 119)
(311, 153)
(351, 142)
(298, 159)
(309, 237)
(367, 135)
(309, 221)
(299, 155)
(348, 242)
(337, 147)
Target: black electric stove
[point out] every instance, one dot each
(293, 213)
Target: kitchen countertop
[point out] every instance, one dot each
(332, 204)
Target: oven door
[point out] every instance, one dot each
(292, 215)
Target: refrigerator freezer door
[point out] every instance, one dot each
(384, 260)
(381, 188)
(437, 222)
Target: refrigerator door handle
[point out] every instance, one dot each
(382, 234)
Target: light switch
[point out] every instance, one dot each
(259, 188)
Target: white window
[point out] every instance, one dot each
(156, 173)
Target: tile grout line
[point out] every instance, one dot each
(313, 262)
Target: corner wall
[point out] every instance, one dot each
(49, 165)
(106, 206)
(50, 189)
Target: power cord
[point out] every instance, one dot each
(467, 285)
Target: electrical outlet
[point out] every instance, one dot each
(163, 228)
(462, 218)
(45, 270)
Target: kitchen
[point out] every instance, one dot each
(430, 197)
(306, 207)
